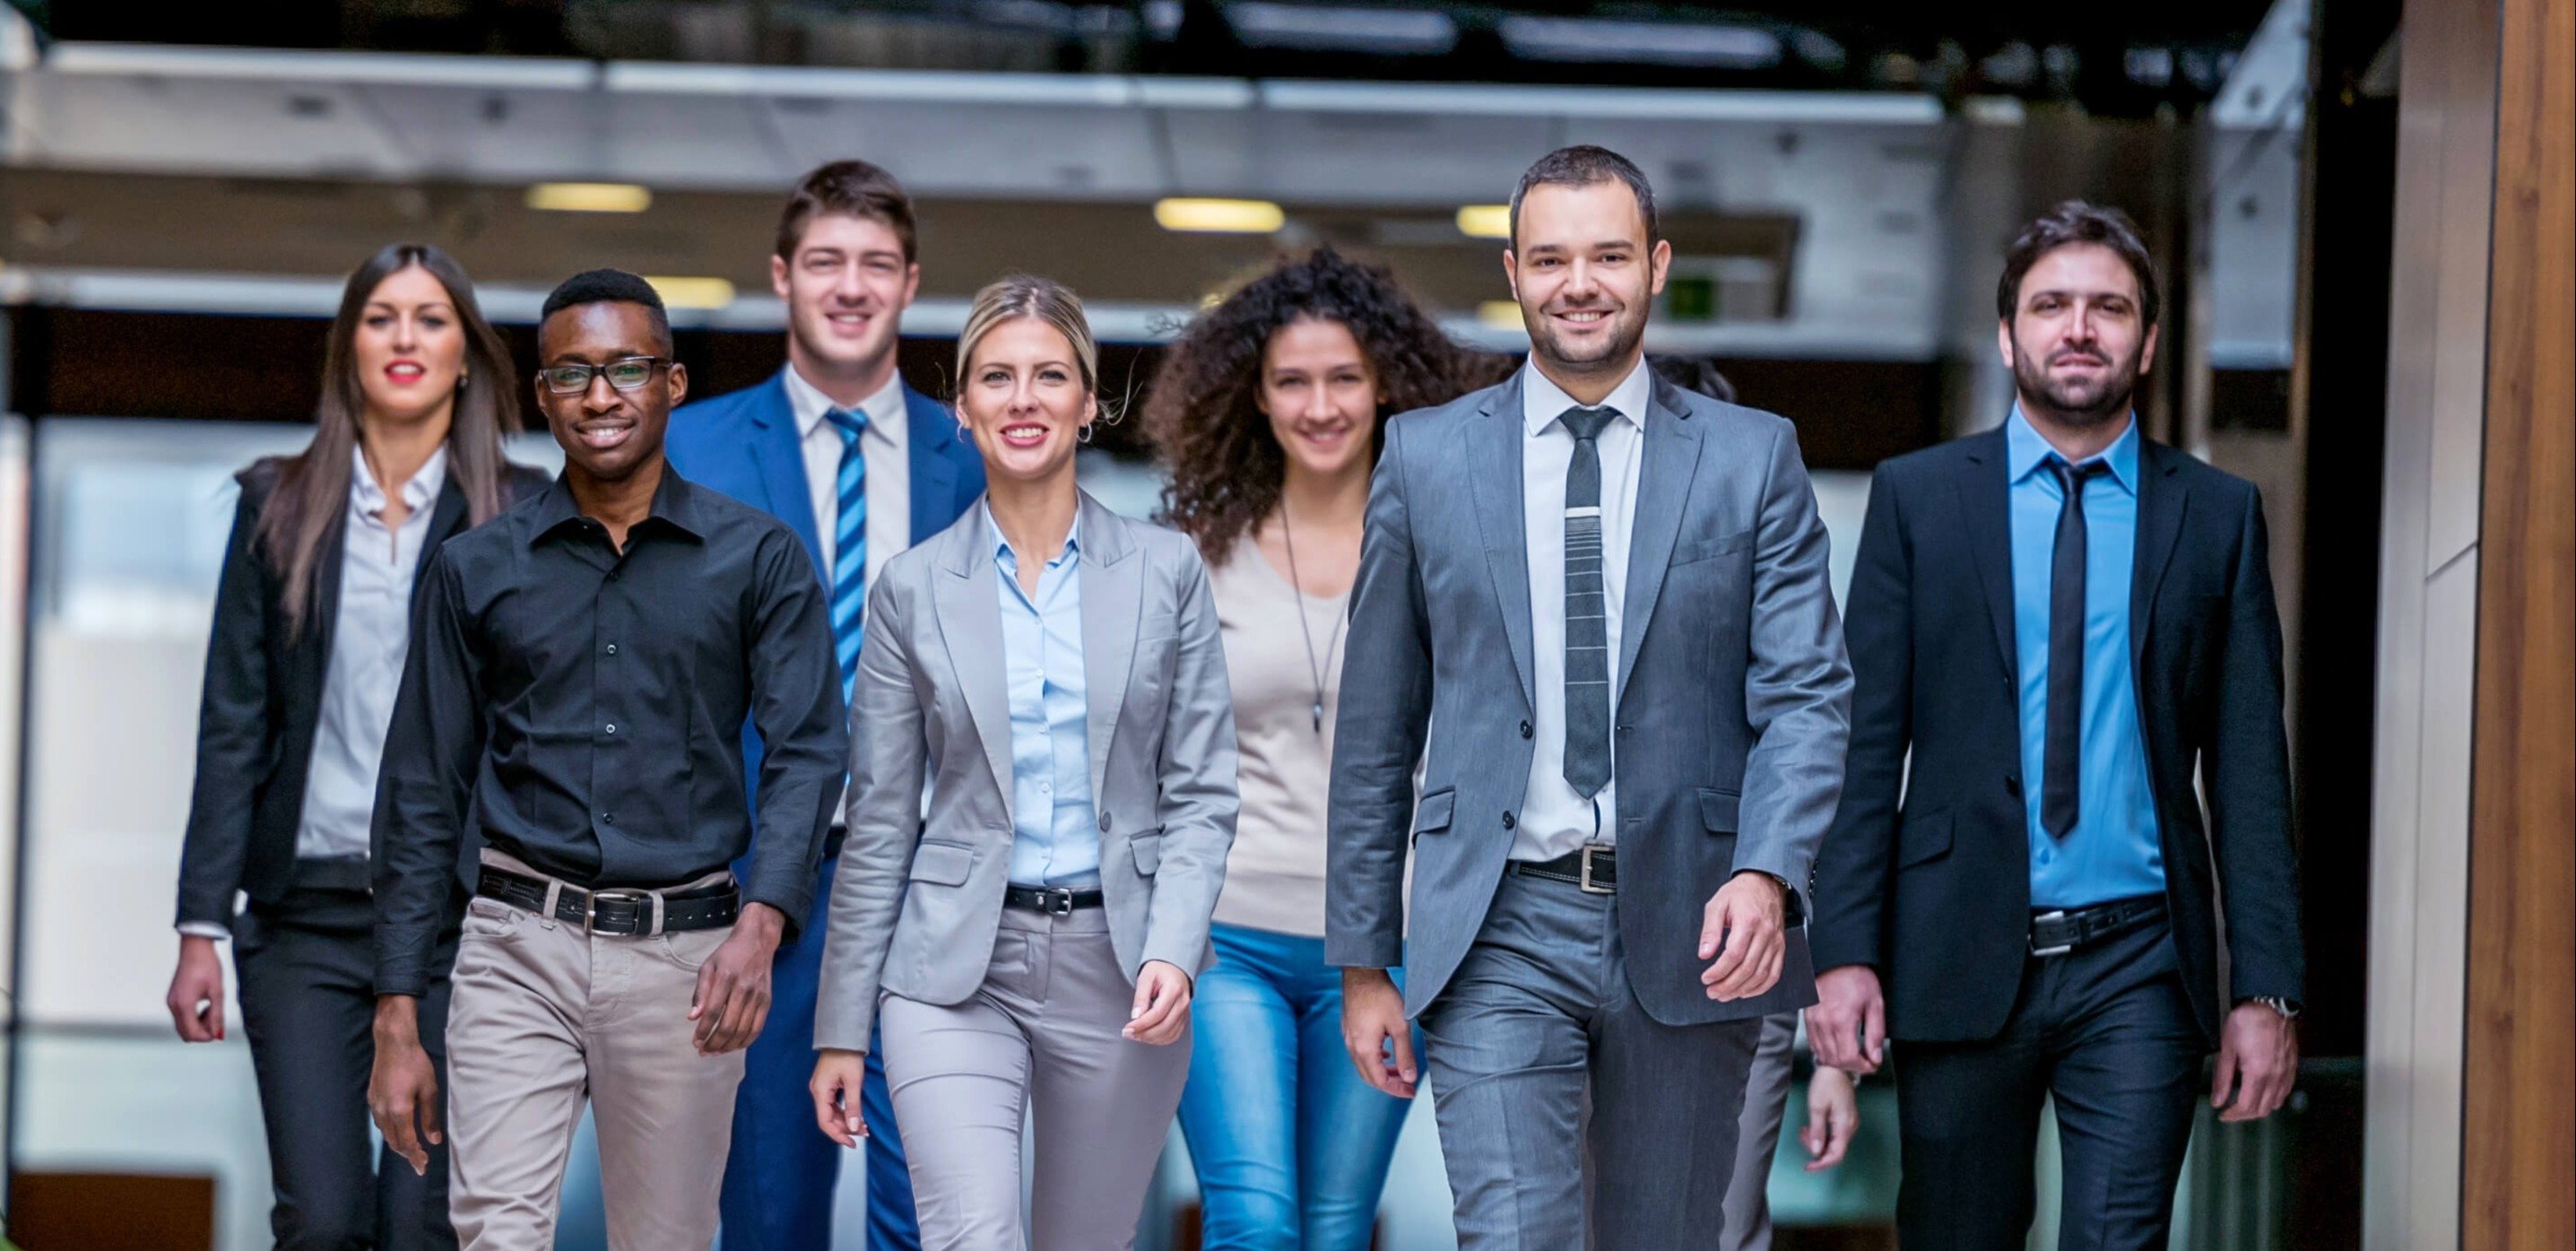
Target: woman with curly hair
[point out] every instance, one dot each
(1269, 410)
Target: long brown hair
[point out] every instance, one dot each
(1203, 412)
(312, 491)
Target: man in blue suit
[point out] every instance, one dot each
(861, 466)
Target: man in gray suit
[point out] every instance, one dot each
(1603, 601)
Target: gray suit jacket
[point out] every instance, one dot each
(1733, 709)
(916, 900)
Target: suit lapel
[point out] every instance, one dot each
(1671, 461)
(2162, 502)
(970, 625)
(929, 435)
(322, 627)
(777, 447)
(1494, 451)
(1985, 506)
(1113, 586)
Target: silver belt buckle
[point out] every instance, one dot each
(590, 906)
(1057, 901)
(1586, 878)
(2058, 950)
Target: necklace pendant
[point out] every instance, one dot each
(1319, 716)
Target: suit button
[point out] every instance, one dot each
(1104, 823)
(1507, 821)
(2012, 786)
(1525, 729)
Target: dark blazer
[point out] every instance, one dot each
(263, 695)
(1936, 894)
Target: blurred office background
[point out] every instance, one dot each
(2352, 202)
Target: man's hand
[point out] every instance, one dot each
(1162, 1007)
(197, 991)
(1375, 1032)
(837, 1075)
(2258, 1061)
(1833, 1118)
(402, 1092)
(1848, 1026)
(732, 1000)
(1742, 930)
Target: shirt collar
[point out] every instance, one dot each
(675, 503)
(2025, 449)
(1004, 557)
(1542, 401)
(884, 410)
(419, 492)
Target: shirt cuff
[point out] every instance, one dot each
(204, 929)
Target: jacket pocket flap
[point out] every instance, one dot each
(1717, 810)
(942, 864)
(1148, 850)
(1435, 811)
(1923, 838)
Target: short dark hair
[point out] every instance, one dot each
(852, 189)
(1694, 373)
(608, 286)
(1586, 165)
(2073, 222)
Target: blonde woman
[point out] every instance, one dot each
(1052, 671)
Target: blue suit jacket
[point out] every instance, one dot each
(745, 444)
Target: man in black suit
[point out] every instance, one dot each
(2061, 620)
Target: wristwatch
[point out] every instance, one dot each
(2289, 1011)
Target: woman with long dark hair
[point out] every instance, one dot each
(312, 624)
(1268, 411)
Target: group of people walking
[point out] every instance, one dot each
(818, 766)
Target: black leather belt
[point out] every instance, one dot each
(619, 911)
(1055, 901)
(1593, 867)
(2057, 933)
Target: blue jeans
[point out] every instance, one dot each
(1291, 1143)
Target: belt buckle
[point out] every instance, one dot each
(590, 905)
(1585, 879)
(2045, 952)
(1056, 901)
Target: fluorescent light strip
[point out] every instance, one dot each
(1623, 103)
(1414, 32)
(1224, 217)
(1485, 221)
(1660, 43)
(410, 69)
(589, 197)
(1099, 91)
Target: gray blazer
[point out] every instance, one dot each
(1733, 709)
(917, 899)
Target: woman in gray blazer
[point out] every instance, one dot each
(1053, 672)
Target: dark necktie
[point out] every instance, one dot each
(2062, 755)
(1587, 634)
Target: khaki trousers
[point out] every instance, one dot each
(542, 1016)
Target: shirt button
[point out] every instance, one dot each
(612, 649)
(608, 818)
(612, 727)
(1045, 787)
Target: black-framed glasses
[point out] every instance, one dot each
(625, 373)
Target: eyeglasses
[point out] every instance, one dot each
(625, 374)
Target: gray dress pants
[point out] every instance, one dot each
(1040, 1039)
(1568, 1116)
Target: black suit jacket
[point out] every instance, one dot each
(1935, 892)
(263, 695)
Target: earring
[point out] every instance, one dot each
(1084, 437)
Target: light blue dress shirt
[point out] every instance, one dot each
(2113, 852)
(1055, 840)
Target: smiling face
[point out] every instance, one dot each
(409, 347)
(2077, 343)
(1024, 400)
(1320, 395)
(1585, 276)
(846, 288)
(608, 434)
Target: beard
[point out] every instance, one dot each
(1627, 330)
(2078, 401)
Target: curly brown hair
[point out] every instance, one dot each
(1202, 413)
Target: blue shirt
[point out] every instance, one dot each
(2113, 852)
(1054, 839)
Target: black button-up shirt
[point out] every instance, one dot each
(586, 707)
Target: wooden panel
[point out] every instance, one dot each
(2520, 1148)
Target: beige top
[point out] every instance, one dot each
(1274, 876)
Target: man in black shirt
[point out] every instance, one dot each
(577, 678)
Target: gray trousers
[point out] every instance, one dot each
(1766, 1100)
(1038, 1039)
(1568, 1116)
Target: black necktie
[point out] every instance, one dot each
(2062, 754)
(1587, 634)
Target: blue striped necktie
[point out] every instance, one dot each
(849, 546)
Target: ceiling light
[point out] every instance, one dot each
(1485, 221)
(1313, 28)
(590, 197)
(1225, 217)
(1500, 314)
(1660, 43)
(693, 292)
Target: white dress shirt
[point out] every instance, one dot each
(1554, 819)
(369, 639)
(884, 446)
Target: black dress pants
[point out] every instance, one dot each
(2108, 1033)
(308, 1003)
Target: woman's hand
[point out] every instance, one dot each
(1833, 1118)
(837, 1075)
(1162, 1009)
